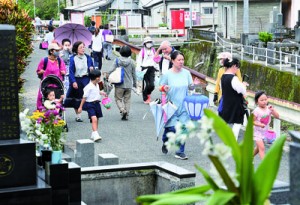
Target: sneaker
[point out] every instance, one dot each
(181, 156)
(78, 119)
(164, 149)
(96, 136)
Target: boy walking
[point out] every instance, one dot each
(91, 102)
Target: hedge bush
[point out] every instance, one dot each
(11, 14)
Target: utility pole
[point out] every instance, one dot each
(246, 17)
(190, 2)
(33, 8)
(213, 13)
(58, 8)
(165, 12)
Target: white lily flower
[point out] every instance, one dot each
(207, 148)
(38, 132)
(190, 125)
(44, 137)
(206, 124)
(222, 151)
(178, 127)
(182, 138)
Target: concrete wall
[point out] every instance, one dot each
(121, 184)
(259, 17)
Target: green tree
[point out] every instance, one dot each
(44, 9)
(11, 13)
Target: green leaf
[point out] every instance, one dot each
(226, 135)
(220, 197)
(208, 179)
(181, 199)
(224, 174)
(266, 172)
(189, 190)
(247, 170)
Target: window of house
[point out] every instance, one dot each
(207, 10)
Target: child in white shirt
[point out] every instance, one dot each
(91, 102)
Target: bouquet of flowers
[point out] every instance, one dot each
(45, 127)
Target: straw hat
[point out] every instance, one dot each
(53, 46)
(224, 55)
(147, 39)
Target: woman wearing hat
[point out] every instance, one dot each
(218, 91)
(52, 64)
(146, 64)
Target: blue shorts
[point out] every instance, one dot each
(93, 109)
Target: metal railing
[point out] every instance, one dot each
(272, 57)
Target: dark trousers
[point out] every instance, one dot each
(148, 81)
(97, 59)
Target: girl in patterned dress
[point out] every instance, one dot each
(262, 117)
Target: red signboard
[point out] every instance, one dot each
(177, 17)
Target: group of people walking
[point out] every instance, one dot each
(82, 74)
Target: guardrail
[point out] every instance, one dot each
(268, 56)
(288, 111)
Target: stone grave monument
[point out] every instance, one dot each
(18, 173)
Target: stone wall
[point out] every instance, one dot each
(121, 184)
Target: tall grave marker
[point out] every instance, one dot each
(17, 156)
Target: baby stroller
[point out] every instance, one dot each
(52, 82)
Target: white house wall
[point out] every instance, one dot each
(231, 25)
(295, 8)
(207, 19)
(157, 12)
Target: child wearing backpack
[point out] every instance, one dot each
(91, 102)
(123, 90)
(146, 64)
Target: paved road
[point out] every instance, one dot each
(133, 140)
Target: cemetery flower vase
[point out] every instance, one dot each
(56, 157)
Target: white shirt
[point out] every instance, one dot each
(49, 37)
(147, 61)
(238, 86)
(91, 92)
(97, 43)
(38, 21)
(165, 66)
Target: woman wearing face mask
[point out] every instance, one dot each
(65, 54)
(146, 64)
(54, 65)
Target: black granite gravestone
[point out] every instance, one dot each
(17, 157)
(18, 175)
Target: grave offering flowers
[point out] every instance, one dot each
(44, 127)
(231, 186)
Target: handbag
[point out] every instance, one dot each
(44, 45)
(117, 76)
(270, 136)
(109, 38)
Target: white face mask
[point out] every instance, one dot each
(66, 47)
(149, 45)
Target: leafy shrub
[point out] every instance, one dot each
(10, 13)
(162, 25)
(265, 37)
